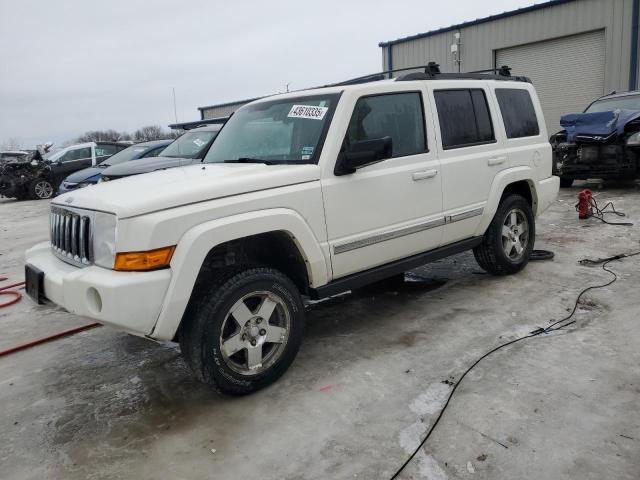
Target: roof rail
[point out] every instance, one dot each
(432, 72)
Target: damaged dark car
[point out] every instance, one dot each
(40, 176)
(602, 142)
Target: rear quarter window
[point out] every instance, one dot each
(464, 118)
(518, 113)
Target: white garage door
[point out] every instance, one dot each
(568, 72)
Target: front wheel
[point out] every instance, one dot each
(508, 241)
(244, 330)
(41, 189)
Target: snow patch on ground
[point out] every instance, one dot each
(432, 400)
(427, 403)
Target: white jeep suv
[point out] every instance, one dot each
(305, 194)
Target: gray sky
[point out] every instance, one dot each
(76, 65)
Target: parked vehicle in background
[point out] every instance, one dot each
(311, 193)
(188, 148)
(40, 178)
(91, 175)
(602, 142)
(18, 156)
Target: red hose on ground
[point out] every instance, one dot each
(5, 291)
(55, 336)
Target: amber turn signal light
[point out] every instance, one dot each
(142, 261)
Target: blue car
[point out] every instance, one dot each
(91, 175)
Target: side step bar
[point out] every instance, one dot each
(376, 274)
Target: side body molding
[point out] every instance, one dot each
(197, 242)
(500, 182)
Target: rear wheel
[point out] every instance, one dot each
(566, 182)
(244, 330)
(508, 241)
(41, 189)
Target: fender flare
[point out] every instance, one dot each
(197, 242)
(500, 183)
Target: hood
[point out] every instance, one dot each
(597, 126)
(146, 165)
(171, 188)
(83, 175)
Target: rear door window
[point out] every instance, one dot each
(518, 113)
(464, 117)
(398, 115)
(79, 154)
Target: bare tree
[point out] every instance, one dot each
(150, 132)
(11, 143)
(103, 136)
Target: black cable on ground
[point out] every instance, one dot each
(558, 325)
(537, 255)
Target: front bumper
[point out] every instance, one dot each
(594, 160)
(129, 301)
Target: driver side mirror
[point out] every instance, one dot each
(363, 153)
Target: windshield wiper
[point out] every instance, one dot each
(250, 160)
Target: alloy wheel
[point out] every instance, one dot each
(43, 189)
(515, 234)
(255, 332)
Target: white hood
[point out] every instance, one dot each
(170, 188)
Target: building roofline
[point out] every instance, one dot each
(228, 104)
(471, 23)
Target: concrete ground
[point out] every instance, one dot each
(366, 385)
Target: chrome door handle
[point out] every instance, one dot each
(496, 161)
(424, 175)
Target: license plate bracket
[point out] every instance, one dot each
(34, 283)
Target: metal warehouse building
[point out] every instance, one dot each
(573, 50)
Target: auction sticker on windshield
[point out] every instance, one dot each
(308, 111)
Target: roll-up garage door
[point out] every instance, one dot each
(568, 72)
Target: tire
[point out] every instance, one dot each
(223, 329)
(41, 189)
(492, 254)
(566, 182)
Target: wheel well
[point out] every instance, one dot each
(523, 188)
(272, 249)
(277, 250)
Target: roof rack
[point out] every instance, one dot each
(432, 72)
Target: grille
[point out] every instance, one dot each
(71, 235)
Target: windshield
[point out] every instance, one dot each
(629, 102)
(129, 153)
(279, 131)
(189, 145)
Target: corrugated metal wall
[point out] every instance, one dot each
(577, 63)
(480, 41)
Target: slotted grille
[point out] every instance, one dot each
(71, 235)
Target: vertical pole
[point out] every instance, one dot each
(633, 64)
(175, 111)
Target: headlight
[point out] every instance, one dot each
(104, 239)
(634, 140)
